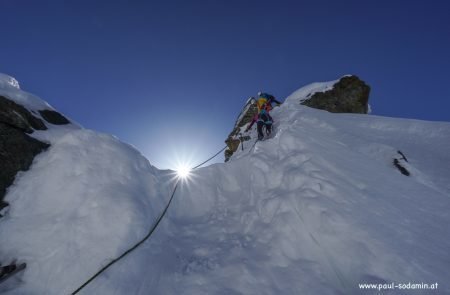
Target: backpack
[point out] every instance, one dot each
(265, 101)
(261, 103)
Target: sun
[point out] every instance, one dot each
(183, 171)
(181, 163)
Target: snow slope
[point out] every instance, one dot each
(316, 209)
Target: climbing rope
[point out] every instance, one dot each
(201, 164)
(134, 246)
(250, 150)
(152, 229)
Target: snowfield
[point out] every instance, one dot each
(318, 208)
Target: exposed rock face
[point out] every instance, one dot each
(349, 95)
(17, 149)
(18, 117)
(234, 138)
(54, 117)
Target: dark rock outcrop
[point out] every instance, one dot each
(19, 117)
(400, 164)
(349, 95)
(17, 149)
(234, 139)
(54, 117)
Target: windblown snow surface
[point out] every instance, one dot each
(318, 208)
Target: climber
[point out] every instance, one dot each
(262, 117)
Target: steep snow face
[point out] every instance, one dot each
(318, 208)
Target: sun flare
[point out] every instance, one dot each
(183, 172)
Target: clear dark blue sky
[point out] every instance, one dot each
(170, 77)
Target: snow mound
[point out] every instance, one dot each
(84, 201)
(307, 91)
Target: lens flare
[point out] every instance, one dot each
(181, 163)
(183, 171)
